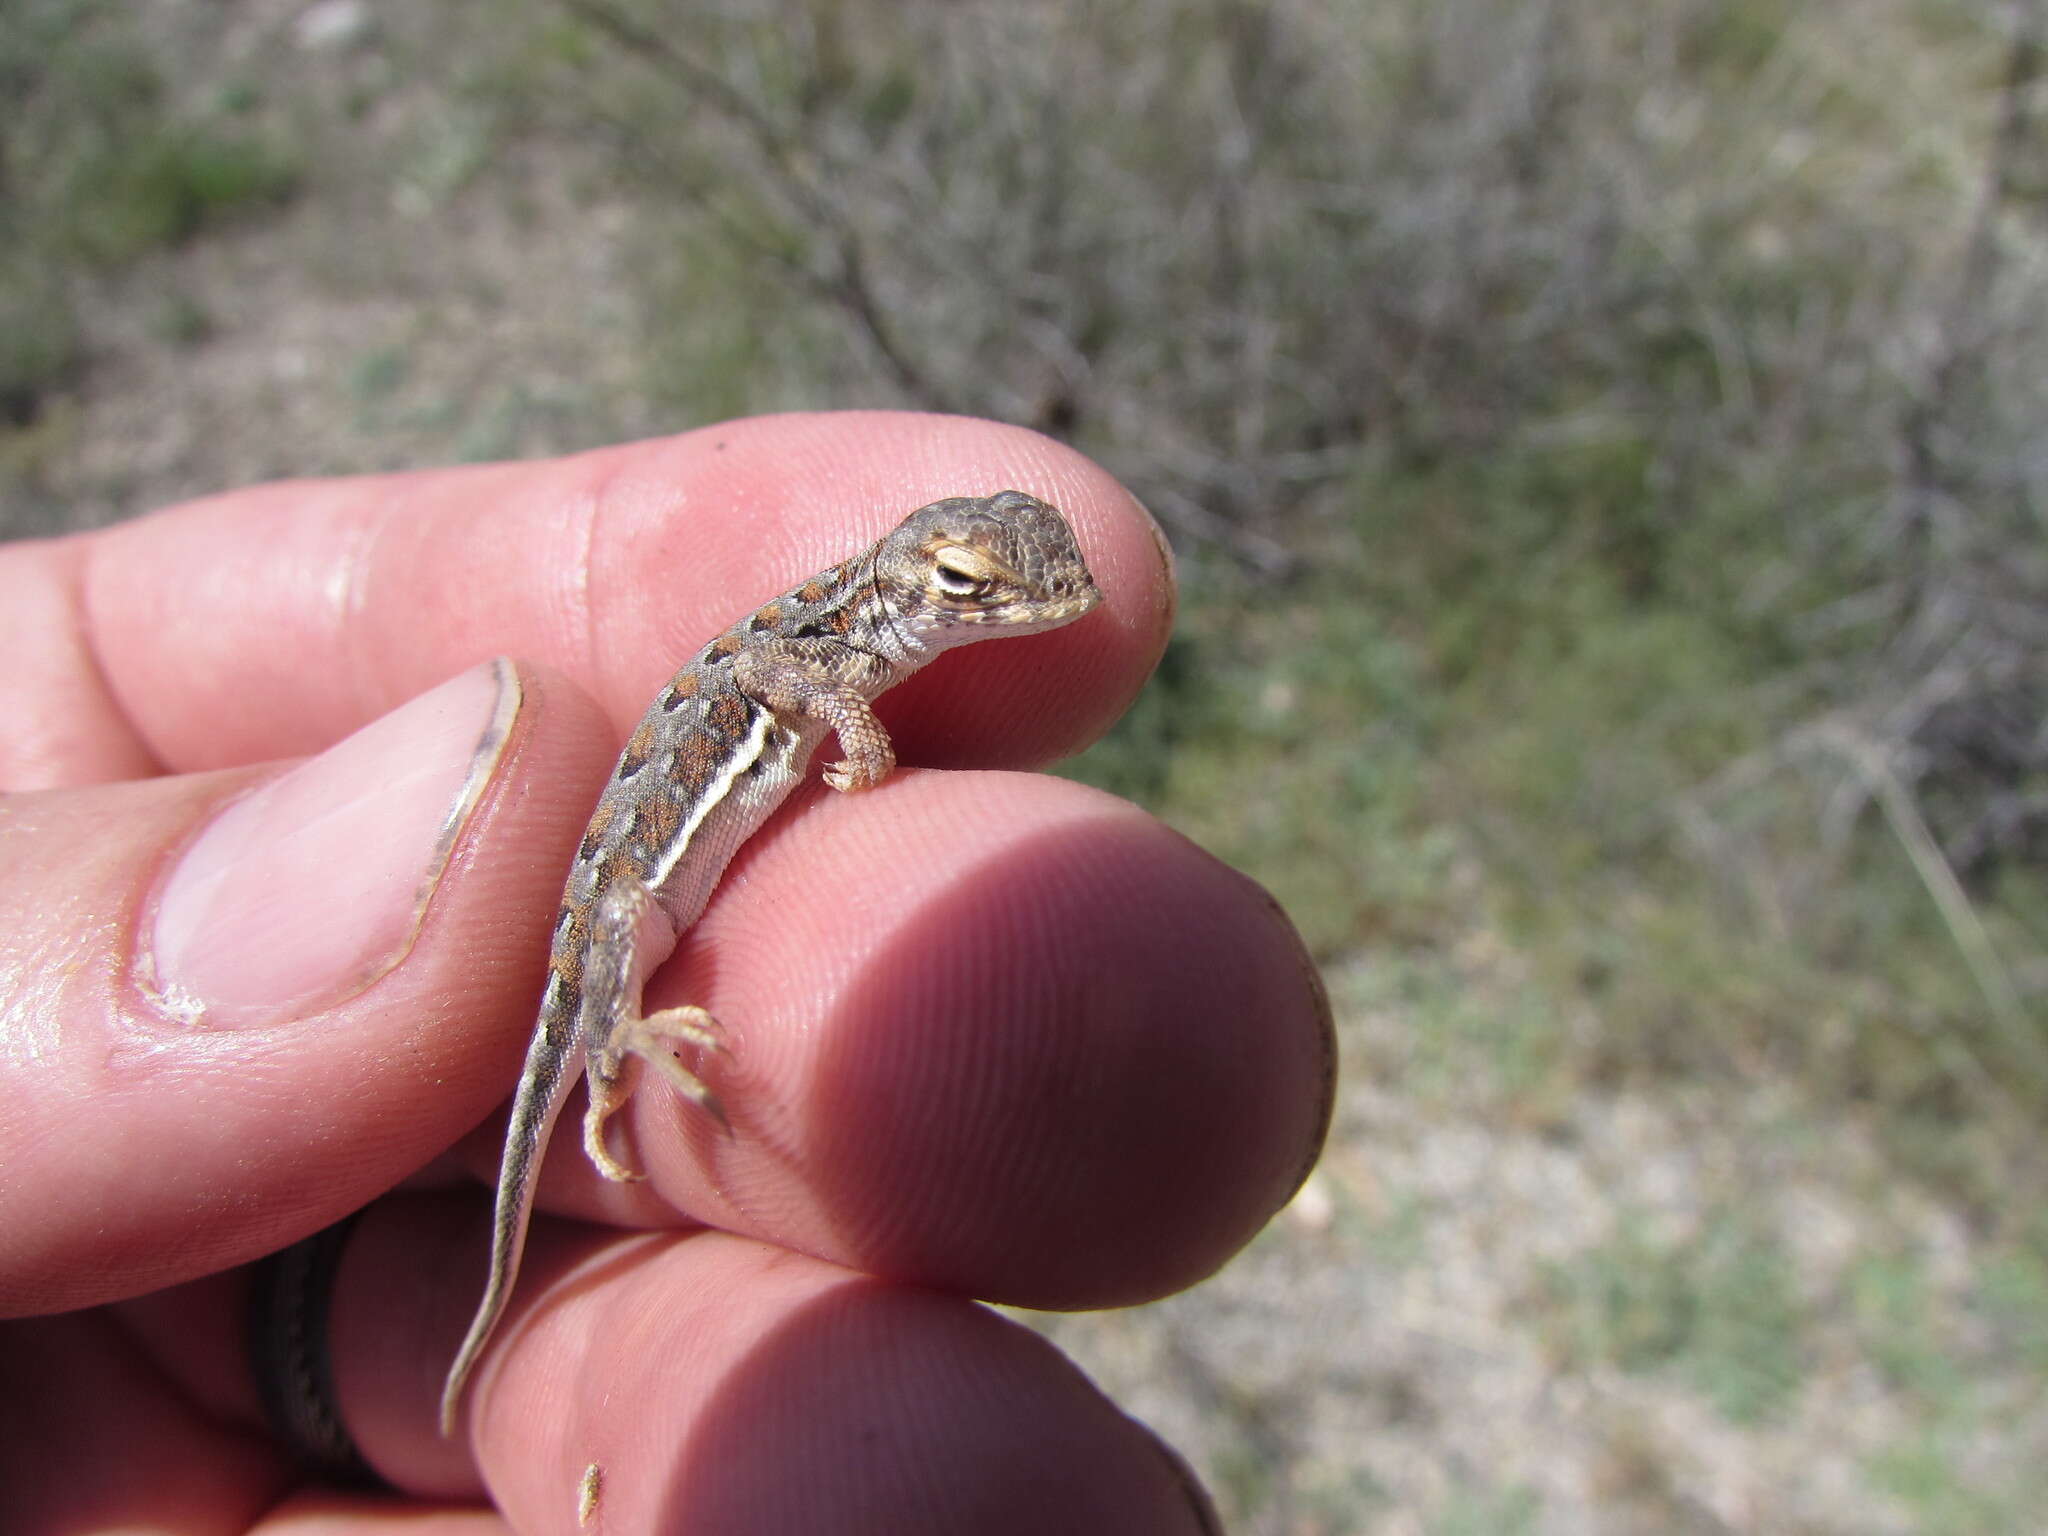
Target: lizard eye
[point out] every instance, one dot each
(956, 581)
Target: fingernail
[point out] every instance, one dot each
(308, 889)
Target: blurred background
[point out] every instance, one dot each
(1605, 447)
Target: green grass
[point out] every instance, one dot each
(1938, 1469)
(39, 342)
(1496, 705)
(148, 185)
(1489, 1512)
(100, 168)
(1716, 1311)
(1922, 1474)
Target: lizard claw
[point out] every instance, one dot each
(689, 1024)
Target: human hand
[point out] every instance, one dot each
(992, 1035)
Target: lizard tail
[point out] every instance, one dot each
(549, 1077)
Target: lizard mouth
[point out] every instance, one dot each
(1047, 614)
(1073, 607)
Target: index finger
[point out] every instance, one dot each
(269, 622)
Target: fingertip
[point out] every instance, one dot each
(1002, 1035)
(721, 1383)
(64, 727)
(270, 622)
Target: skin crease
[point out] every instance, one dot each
(993, 1035)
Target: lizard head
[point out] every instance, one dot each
(974, 567)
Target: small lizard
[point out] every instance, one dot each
(717, 751)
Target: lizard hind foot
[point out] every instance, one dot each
(689, 1024)
(597, 1151)
(653, 1042)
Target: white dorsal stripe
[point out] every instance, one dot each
(744, 756)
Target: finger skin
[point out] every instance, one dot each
(991, 1032)
(999, 1034)
(726, 1385)
(268, 622)
(92, 1438)
(138, 1150)
(59, 723)
(946, 1069)
(98, 1432)
(273, 620)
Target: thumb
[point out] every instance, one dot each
(235, 1006)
